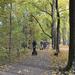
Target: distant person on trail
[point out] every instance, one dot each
(41, 44)
(44, 45)
(34, 47)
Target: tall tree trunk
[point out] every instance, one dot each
(72, 36)
(10, 33)
(58, 26)
(63, 33)
(53, 25)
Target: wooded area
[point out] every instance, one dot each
(38, 25)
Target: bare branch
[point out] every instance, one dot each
(50, 3)
(41, 26)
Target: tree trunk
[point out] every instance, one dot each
(58, 26)
(53, 29)
(64, 31)
(72, 36)
(63, 34)
(10, 33)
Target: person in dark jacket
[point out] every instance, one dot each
(34, 47)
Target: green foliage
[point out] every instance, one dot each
(24, 26)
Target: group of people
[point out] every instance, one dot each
(43, 44)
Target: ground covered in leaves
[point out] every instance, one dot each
(45, 63)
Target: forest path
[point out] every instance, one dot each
(31, 65)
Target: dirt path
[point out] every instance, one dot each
(31, 65)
